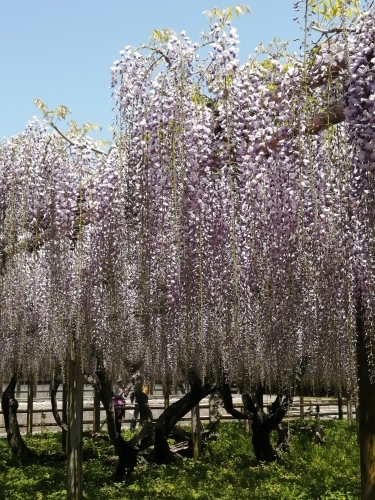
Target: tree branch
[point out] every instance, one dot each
(331, 30)
(320, 121)
(228, 402)
(72, 143)
(54, 386)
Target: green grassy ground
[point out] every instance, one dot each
(227, 470)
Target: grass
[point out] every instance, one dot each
(227, 470)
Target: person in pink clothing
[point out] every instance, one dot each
(118, 399)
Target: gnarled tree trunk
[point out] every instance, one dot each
(171, 416)
(126, 452)
(262, 426)
(54, 387)
(226, 394)
(262, 423)
(196, 432)
(9, 405)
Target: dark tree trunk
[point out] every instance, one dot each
(262, 426)
(126, 452)
(9, 405)
(283, 437)
(96, 414)
(259, 393)
(166, 390)
(228, 402)
(196, 429)
(54, 387)
(262, 423)
(366, 410)
(171, 416)
(261, 440)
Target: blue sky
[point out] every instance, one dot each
(61, 51)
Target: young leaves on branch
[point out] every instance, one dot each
(227, 14)
(330, 9)
(75, 132)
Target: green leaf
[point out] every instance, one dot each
(226, 14)
(62, 111)
(329, 9)
(156, 34)
(241, 10)
(163, 35)
(90, 126)
(40, 104)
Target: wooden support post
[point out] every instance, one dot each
(30, 404)
(96, 413)
(64, 415)
(196, 432)
(18, 390)
(246, 422)
(339, 404)
(301, 407)
(74, 486)
(151, 387)
(42, 422)
(349, 410)
(211, 408)
(166, 394)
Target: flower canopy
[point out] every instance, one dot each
(227, 229)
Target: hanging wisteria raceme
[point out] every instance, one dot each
(222, 232)
(285, 218)
(175, 198)
(359, 111)
(52, 197)
(258, 232)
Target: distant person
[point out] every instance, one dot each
(118, 399)
(134, 399)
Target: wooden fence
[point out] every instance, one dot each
(42, 418)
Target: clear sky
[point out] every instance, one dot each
(61, 51)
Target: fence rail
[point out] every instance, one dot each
(42, 416)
